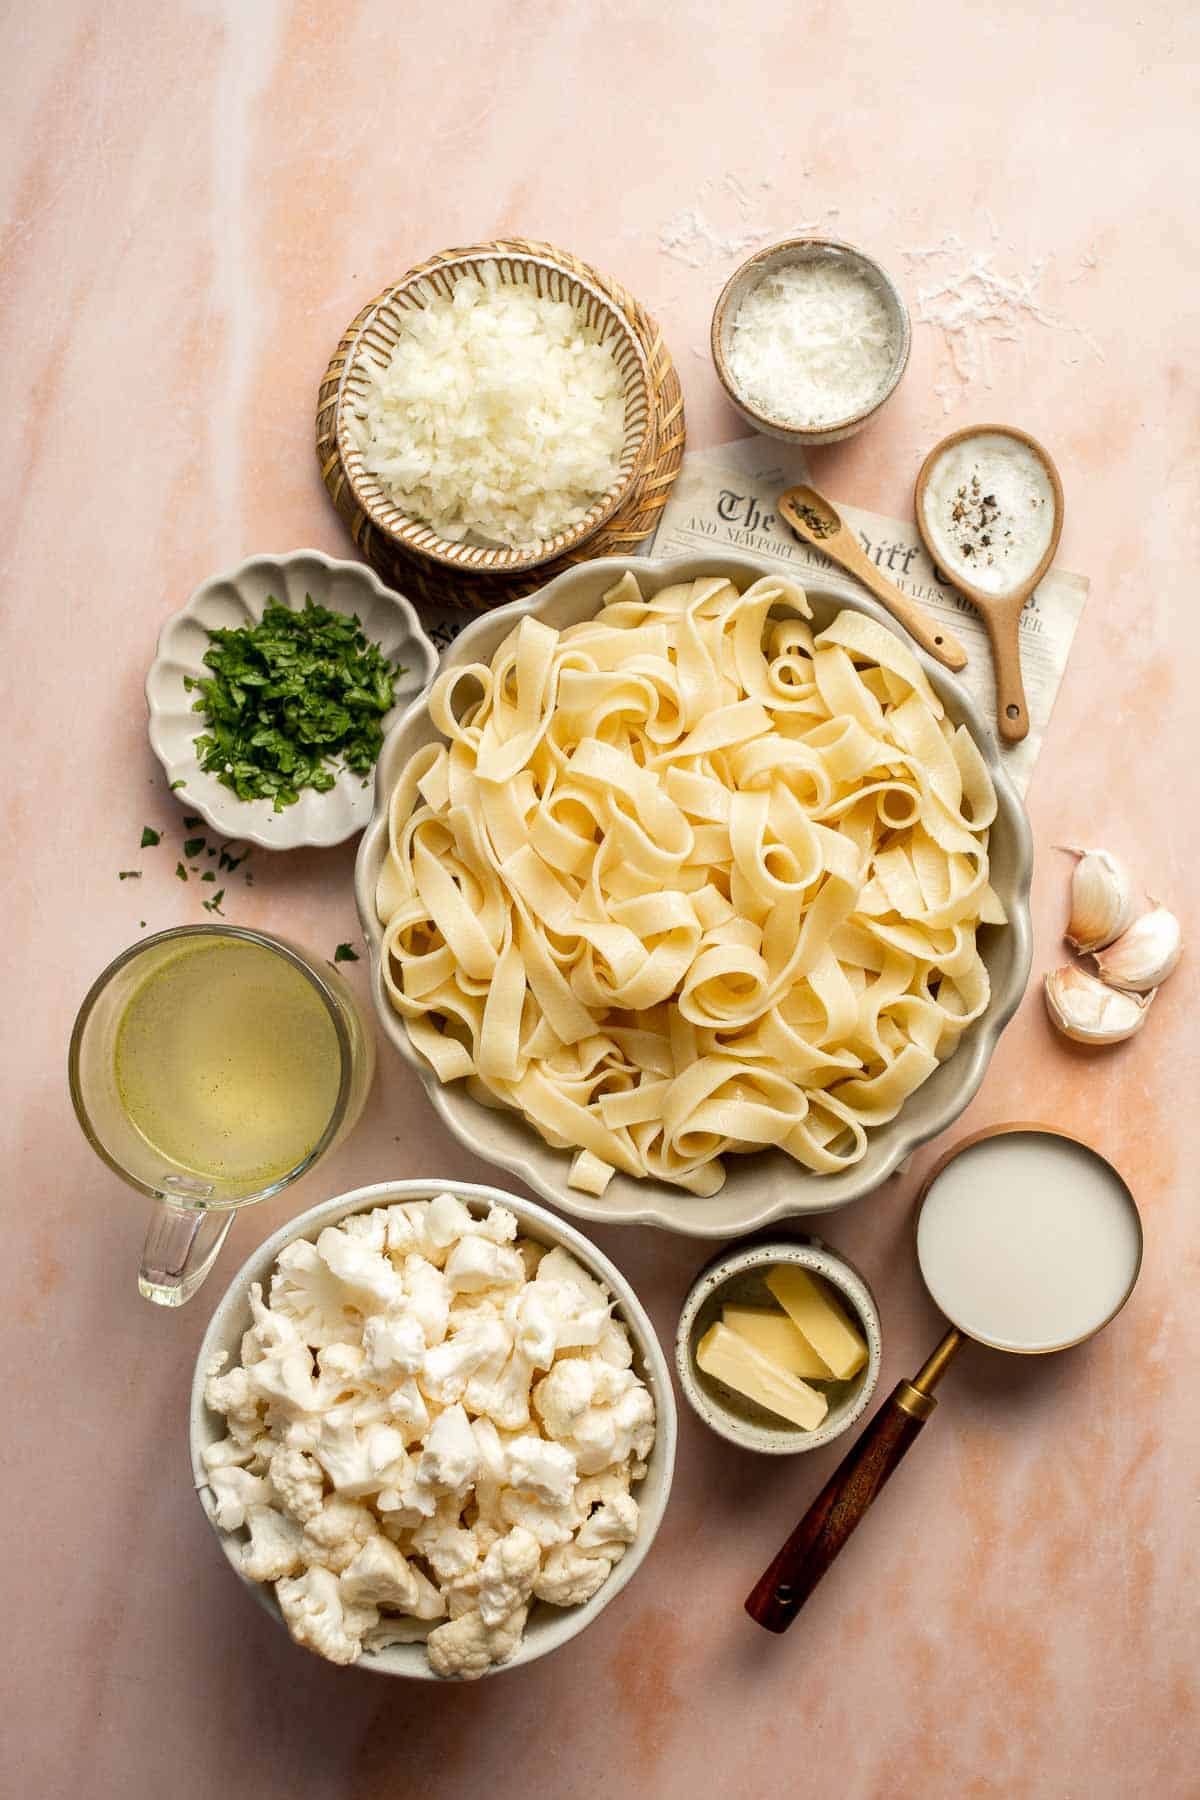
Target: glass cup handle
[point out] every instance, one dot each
(182, 1244)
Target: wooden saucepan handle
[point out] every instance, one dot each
(780, 1593)
(1003, 621)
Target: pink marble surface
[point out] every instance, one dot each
(197, 198)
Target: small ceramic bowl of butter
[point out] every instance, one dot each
(809, 338)
(778, 1346)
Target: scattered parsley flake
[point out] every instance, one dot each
(181, 871)
(288, 696)
(344, 953)
(190, 822)
(192, 847)
(150, 837)
(129, 874)
(178, 784)
(214, 905)
(208, 875)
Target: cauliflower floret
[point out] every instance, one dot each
(493, 1458)
(548, 1524)
(340, 1366)
(613, 1345)
(481, 1343)
(507, 1575)
(408, 1231)
(305, 1289)
(558, 1265)
(505, 1398)
(233, 1490)
(334, 1536)
(274, 1547)
(476, 1263)
(370, 1228)
(380, 1576)
(298, 1483)
(594, 1490)
(357, 1461)
(427, 1297)
(370, 1282)
(448, 1220)
(406, 1409)
(449, 1462)
(536, 1322)
(545, 1470)
(466, 1648)
(228, 1452)
(568, 1577)
(316, 1616)
(614, 1522)
(232, 1396)
(611, 1434)
(450, 1548)
(564, 1396)
(391, 1348)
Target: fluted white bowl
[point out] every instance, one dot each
(768, 1185)
(239, 597)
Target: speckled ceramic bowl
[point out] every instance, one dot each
(738, 1278)
(549, 1627)
(784, 255)
(239, 597)
(769, 1185)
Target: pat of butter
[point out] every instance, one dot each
(727, 1357)
(818, 1319)
(775, 1337)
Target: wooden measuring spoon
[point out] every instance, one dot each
(819, 523)
(1001, 612)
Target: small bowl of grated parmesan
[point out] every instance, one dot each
(495, 410)
(810, 337)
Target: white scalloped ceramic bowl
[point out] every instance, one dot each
(549, 1627)
(238, 598)
(767, 1186)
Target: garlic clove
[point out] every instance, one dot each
(1102, 901)
(1088, 1012)
(1142, 957)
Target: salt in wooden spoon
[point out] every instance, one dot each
(1001, 611)
(819, 523)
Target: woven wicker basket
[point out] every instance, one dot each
(419, 576)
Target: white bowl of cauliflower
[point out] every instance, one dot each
(433, 1429)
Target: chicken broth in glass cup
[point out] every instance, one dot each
(211, 1066)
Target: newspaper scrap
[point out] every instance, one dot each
(725, 498)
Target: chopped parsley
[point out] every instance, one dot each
(208, 875)
(150, 837)
(129, 874)
(214, 905)
(181, 871)
(192, 847)
(178, 784)
(344, 953)
(190, 821)
(288, 696)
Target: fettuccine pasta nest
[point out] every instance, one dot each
(686, 879)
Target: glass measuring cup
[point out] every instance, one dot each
(1029, 1242)
(195, 1206)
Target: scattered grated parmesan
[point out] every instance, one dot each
(499, 415)
(812, 344)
